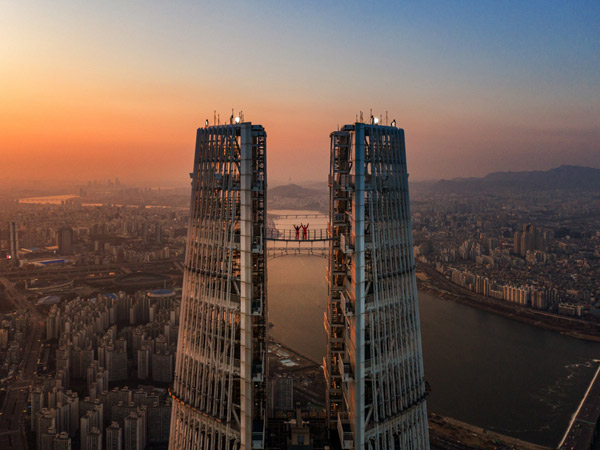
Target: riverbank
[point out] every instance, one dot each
(435, 283)
(309, 385)
(445, 432)
(309, 391)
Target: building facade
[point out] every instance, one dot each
(62, 441)
(374, 365)
(114, 437)
(219, 389)
(13, 238)
(64, 240)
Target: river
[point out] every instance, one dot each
(483, 369)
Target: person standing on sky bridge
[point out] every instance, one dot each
(304, 231)
(297, 228)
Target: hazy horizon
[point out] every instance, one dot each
(97, 91)
(64, 186)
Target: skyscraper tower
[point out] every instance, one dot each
(220, 381)
(145, 231)
(159, 233)
(13, 237)
(374, 365)
(64, 240)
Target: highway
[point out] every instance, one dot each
(80, 271)
(582, 430)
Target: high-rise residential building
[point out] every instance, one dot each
(116, 360)
(64, 240)
(3, 338)
(72, 399)
(46, 439)
(158, 231)
(162, 367)
(374, 365)
(91, 419)
(219, 388)
(94, 439)
(135, 433)
(37, 403)
(46, 424)
(517, 249)
(13, 242)
(528, 240)
(145, 231)
(159, 415)
(62, 441)
(114, 437)
(143, 363)
(532, 239)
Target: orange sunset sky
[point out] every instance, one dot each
(93, 90)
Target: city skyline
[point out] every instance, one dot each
(99, 281)
(478, 88)
(157, 294)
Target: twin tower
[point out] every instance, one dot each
(374, 365)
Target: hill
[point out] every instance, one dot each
(559, 178)
(293, 191)
(292, 196)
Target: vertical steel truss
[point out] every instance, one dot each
(374, 365)
(220, 376)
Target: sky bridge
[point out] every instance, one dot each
(301, 216)
(305, 250)
(284, 240)
(302, 229)
(285, 243)
(291, 235)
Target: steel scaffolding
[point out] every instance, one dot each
(220, 376)
(374, 365)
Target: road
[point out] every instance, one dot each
(13, 410)
(19, 300)
(582, 429)
(80, 271)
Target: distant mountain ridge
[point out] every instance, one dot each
(292, 196)
(293, 191)
(563, 178)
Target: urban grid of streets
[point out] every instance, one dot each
(15, 404)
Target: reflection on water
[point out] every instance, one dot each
(483, 369)
(297, 301)
(501, 374)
